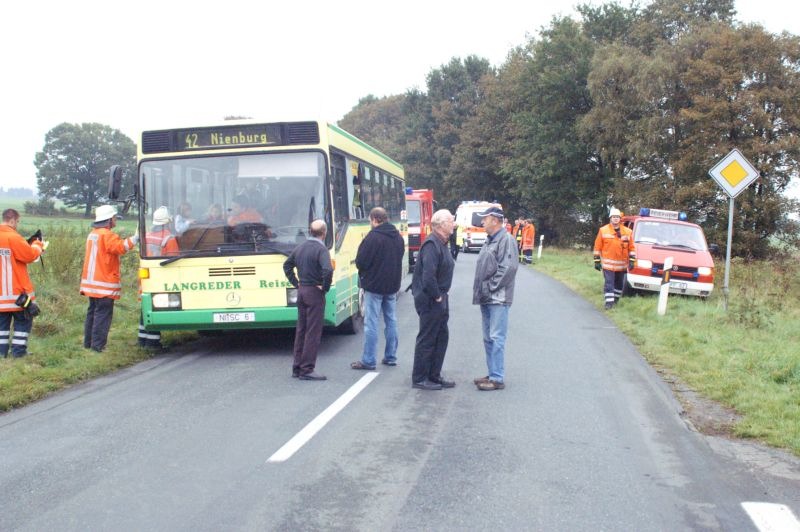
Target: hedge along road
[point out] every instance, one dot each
(585, 436)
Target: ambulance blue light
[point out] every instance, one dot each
(644, 211)
(682, 217)
(409, 190)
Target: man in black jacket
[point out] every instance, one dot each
(380, 267)
(313, 262)
(433, 275)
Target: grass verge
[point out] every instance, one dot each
(745, 358)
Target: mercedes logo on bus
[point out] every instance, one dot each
(233, 298)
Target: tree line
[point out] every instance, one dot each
(623, 106)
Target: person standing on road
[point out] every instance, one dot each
(380, 267)
(528, 241)
(101, 279)
(493, 290)
(614, 253)
(313, 280)
(15, 255)
(433, 275)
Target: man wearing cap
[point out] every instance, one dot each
(159, 242)
(100, 280)
(614, 253)
(493, 290)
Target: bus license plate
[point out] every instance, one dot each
(678, 285)
(234, 317)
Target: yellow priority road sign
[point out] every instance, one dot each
(734, 173)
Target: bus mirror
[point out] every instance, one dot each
(114, 181)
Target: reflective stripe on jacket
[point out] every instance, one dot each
(15, 255)
(161, 243)
(528, 236)
(101, 272)
(614, 249)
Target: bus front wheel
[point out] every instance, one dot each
(352, 325)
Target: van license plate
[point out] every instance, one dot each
(234, 317)
(678, 285)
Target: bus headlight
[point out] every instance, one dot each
(166, 301)
(704, 270)
(291, 297)
(644, 263)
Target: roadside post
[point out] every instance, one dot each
(663, 293)
(734, 174)
(539, 254)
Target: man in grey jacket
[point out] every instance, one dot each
(493, 290)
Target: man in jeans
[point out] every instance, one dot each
(493, 290)
(380, 266)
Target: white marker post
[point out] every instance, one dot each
(664, 293)
(539, 255)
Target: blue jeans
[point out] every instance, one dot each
(374, 305)
(494, 319)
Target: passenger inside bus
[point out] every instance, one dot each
(160, 241)
(243, 212)
(213, 215)
(184, 217)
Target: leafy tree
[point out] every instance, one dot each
(685, 106)
(73, 165)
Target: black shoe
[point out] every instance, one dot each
(312, 377)
(609, 306)
(427, 385)
(444, 382)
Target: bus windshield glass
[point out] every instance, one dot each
(235, 204)
(669, 234)
(413, 212)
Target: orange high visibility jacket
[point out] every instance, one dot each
(161, 243)
(528, 236)
(15, 255)
(101, 275)
(614, 250)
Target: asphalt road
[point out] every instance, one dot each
(586, 436)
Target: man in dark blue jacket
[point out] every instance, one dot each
(433, 275)
(313, 280)
(380, 267)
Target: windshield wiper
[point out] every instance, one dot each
(197, 253)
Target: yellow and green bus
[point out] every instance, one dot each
(268, 181)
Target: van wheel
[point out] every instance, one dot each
(464, 248)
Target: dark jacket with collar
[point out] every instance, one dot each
(313, 263)
(433, 272)
(380, 260)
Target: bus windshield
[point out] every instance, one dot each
(233, 204)
(413, 212)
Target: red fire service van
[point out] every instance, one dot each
(420, 207)
(659, 234)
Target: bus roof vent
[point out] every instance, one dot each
(303, 133)
(155, 141)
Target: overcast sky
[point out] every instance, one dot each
(157, 64)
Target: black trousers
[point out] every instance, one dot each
(432, 338)
(308, 335)
(98, 323)
(22, 329)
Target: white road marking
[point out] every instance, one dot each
(308, 432)
(770, 517)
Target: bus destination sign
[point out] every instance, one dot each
(229, 137)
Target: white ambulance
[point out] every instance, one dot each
(471, 237)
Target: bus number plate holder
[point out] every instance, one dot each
(234, 317)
